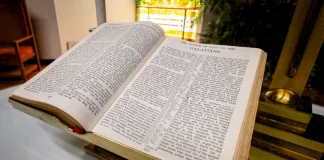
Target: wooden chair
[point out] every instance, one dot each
(17, 41)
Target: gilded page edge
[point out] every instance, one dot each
(244, 142)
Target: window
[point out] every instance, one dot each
(178, 18)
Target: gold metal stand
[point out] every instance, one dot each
(101, 153)
(290, 73)
(280, 123)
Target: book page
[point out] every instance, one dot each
(187, 102)
(81, 81)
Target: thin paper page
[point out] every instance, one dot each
(188, 102)
(82, 80)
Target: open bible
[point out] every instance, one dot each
(168, 98)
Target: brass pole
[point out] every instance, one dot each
(298, 81)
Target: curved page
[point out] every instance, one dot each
(81, 81)
(188, 102)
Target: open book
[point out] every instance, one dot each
(169, 98)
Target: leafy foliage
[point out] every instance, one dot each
(252, 23)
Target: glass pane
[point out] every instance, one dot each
(169, 3)
(191, 25)
(176, 17)
(142, 14)
(171, 20)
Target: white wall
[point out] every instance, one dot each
(75, 18)
(118, 11)
(45, 26)
(58, 21)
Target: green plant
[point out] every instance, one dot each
(252, 23)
